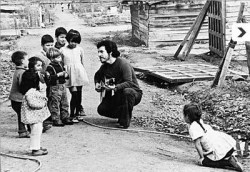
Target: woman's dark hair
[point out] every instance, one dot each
(110, 47)
(59, 31)
(33, 61)
(193, 112)
(17, 57)
(73, 36)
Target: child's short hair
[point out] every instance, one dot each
(46, 39)
(53, 53)
(33, 61)
(73, 36)
(192, 111)
(59, 31)
(17, 57)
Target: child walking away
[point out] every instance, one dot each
(73, 57)
(34, 107)
(214, 148)
(60, 34)
(20, 59)
(58, 102)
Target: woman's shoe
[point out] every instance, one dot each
(39, 152)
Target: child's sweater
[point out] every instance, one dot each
(15, 94)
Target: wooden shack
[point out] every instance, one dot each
(160, 22)
(157, 22)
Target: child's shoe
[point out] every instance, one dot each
(67, 122)
(235, 163)
(75, 120)
(81, 114)
(24, 135)
(43, 149)
(39, 152)
(58, 123)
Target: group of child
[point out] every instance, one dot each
(46, 76)
(60, 66)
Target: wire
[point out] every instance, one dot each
(133, 130)
(19, 157)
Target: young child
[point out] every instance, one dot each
(46, 42)
(214, 148)
(58, 102)
(33, 80)
(20, 59)
(60, 34)
(73, 57)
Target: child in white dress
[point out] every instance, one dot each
(214, 148)
(73, 59)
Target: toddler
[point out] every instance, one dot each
(58, 102)
(33, 80)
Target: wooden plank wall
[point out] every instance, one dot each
(232, 9)
(170, 22)
(140, 22)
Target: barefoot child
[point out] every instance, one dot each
(73, 57)
(34, 107)
(214, 148)
(20, 59)
(58, 102)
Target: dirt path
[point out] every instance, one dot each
(82, 147)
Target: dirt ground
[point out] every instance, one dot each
(83, 147)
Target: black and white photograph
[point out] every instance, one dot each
(124, 85)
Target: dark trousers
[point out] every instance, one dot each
(58, 103)
(218, 164)
(120, 105)
(16, 106)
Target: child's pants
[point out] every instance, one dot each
(16, 106)
(35, 136)
(218, 164)
(58, 103)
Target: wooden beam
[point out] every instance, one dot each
(198, 21)
(223, 68)
(247, 44)
(196, 29)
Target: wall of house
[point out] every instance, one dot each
(166, 22)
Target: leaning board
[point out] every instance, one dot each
(186, 72)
